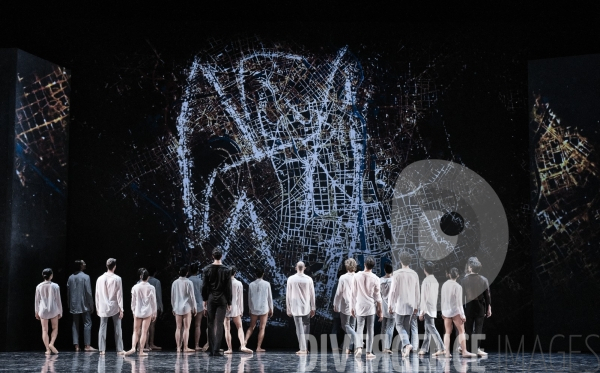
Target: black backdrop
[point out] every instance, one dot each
(489, 138)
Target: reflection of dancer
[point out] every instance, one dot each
(48, 307)
(476, 290)
(109, 304)
(260, 304)
(300, 304)
(184, 305)
(235, 314)
(143, 306)
(429, 296)
(81, 304)
(216, 292)
(387, 323)
(367, 302)
(452, 312)
(197, 281)
(403, 300)
(344, 300)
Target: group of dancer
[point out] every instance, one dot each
(398, 299)
(216, 294)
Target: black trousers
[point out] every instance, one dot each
(473, 325)
(216, 317)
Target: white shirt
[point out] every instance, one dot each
(143, 300)
(237, 298)
(182, 296)
(300, 295)
(197, 282)
(385, 283)
(404, 292)
(260, 299)
(367, 293)
(47, 300)
(429, 296)
(452, 299)
(344, 294)
(109, 295)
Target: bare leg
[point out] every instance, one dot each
(227, 324)
(187, 320)
(460, 326)
(54, 334)
(205, 347)
(261, 332)
(250, 330)
(240, 331)
(45, 335)
(448, 331)
(197, 330)
(151, 336)
(137, 325)
(144, 332)
(179, 321)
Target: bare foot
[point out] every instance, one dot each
(301, 352)
(407, 350)
(90, 349)
(440, 352)
(48, 352)
(130, 352)
(205, 348)
(370, 355)
(187, 349)
(77, 348)
(198, 348)
(358, 352)
(102, 352)
(258, 349)
(143, 354)
(468, 354)
(51, 347)
(246, 350)
(153, 347)
(123, 352)
(228, 352)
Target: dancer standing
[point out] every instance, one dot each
(81, 304)
(109, 304)
(343, 303)
(367, 302)
(403, 300)
(216, 292)
(143, 306)
(429, 296)
(453, 313)
(184, 306)
(387, 322)
(48, 307)
(152, 280)
(300, 304)
(478, 305)
(235, 314)
(197, 281)
(260, 304)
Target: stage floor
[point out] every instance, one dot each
(278, 361)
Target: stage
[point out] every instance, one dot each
(280, 361)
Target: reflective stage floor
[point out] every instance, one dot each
(279, 361)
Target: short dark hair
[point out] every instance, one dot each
(217, 253)
(370, 262)
(144, 274)
(233, 270)
(405, 258)
(140, 270)
(194, 267)
(46, 273)
(429, 267)
(111, 263)
(453, 273)
(183, 271)
(77, 265)
(475, 266)
(388, 268)
(259, 272)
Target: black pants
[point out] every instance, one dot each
(473, 325)
(216, 317)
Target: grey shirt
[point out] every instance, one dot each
(197, 281)
(79, 293)
(157, 287)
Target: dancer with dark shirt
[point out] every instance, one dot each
(216, 292)
(476, 290)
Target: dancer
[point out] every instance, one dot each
(235, 314)
(109, 304)
(48, 307)
(387, 322)
(183, 302)
(403, 300)
(478, 306)
(143, 306)
(429, 296)
(343, 302)
(152, 280)
(260, 304)
(453, 313)
(216, 292)
(367, 302)
(197, 282)
(81, 304)
(300, 304)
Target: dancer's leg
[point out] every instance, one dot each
(227, 328)
(448, 331)
(253, 319)
(197, 330)
(237, 321)
(261, 332)
(348, 323)
(300, 334)
(187, 320)
(220, 312)
(137, 328)
(45, 335)
(461, 336)
(144, 333)
(178, 329)
(370, 321)
(102, 335)
(118, 334)
(54, 334)
(414, 332)
(75, 330)
(87, 331)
